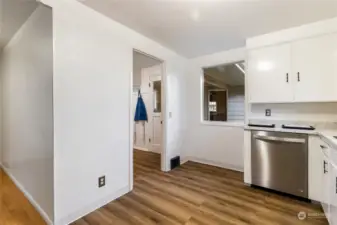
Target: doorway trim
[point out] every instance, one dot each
(163, 155)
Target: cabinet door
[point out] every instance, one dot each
(326, 182)
(333, 194)
(315, 168)
(314, 68)
(333, 185)
(269, 74)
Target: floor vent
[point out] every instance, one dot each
(175, 162)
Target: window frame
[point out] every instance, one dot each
(220, 123)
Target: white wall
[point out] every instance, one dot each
(219, 145)
(301, 112)
(27, 91)
(92, 83)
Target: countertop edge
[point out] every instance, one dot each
(279, 129)
(321, 133)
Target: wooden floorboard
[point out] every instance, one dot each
(197, 194)
(15, 209)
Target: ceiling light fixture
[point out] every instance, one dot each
(195, 15)
(240, 68)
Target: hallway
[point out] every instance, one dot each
(15, 209)
(196, 194)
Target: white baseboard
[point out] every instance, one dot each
(145, 149)
(28, 196)
(140, 148)
(92, 207)
(213, 163)
(183, 160)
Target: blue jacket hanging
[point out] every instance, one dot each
(141, 114)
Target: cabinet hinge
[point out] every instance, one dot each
(149, 139)
(149, 84)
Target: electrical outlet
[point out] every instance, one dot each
(101, 181)
(268, 112)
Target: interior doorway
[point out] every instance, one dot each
(147, 84)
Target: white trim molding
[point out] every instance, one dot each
(28, 196)
(212, 163)
(92, 207)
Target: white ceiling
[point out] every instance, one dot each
(13, 14)
(197, 27)
(224, 76)
(143, 61)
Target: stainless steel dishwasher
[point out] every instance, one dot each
(280, 162)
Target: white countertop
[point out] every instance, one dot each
(280, 129)
(326, 135)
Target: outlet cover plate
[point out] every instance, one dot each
(101, 181)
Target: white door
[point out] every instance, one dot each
(314, 68)
(269, 78)
(152, 85)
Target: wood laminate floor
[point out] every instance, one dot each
(197, 194)
(15, 209)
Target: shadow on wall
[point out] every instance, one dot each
(27, 81)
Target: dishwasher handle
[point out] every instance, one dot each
(280, 139)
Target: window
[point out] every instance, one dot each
(212, 106)
(224, 92)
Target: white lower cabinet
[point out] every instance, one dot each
(326, 186)
(322, 181)
(315, 168)
(333, 195)
(333, 186)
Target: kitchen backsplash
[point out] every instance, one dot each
(295, 112)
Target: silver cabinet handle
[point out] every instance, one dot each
(272, 138)
(324, 166)
(287, 78)
(298, 77)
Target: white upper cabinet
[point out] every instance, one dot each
(269, 74)
(314, 68)
(299, 71)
